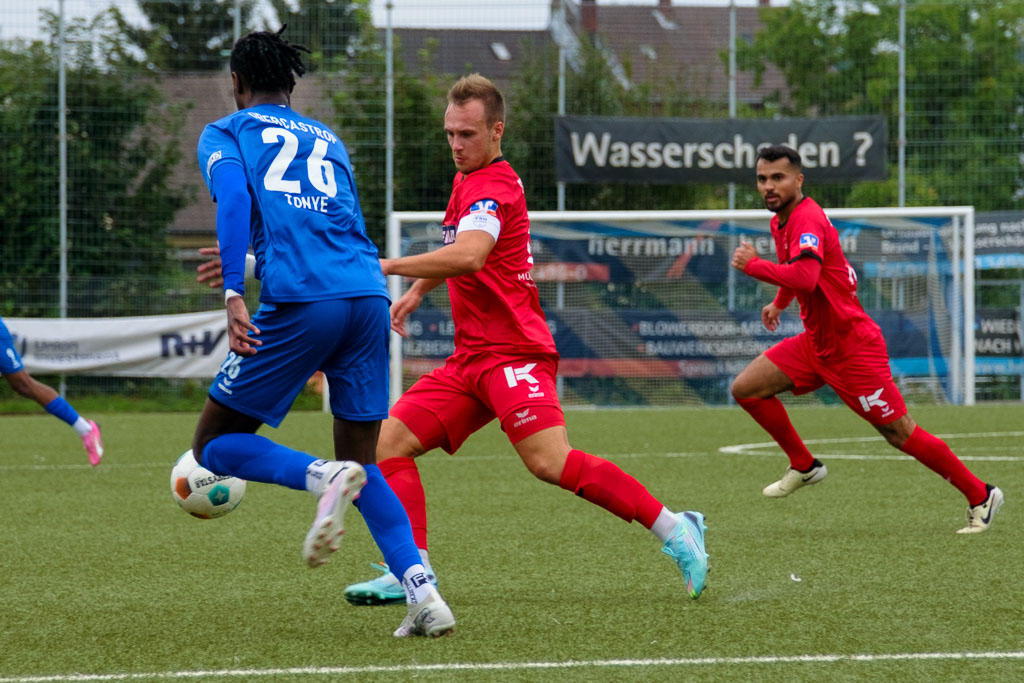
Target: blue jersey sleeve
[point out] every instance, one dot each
(216, 145)
(234, 207)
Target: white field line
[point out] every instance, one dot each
(519, 666)
(753, 448)
(736, 449)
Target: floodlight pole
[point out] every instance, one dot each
(561, 99)
(901, 140)
(731, 272)
(393, 241)
(62, 146)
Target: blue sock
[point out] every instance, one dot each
(58, 407)
(257, 458)
(388, 524)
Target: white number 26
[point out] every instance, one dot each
(320, 171)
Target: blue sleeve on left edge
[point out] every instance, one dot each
(234, 207)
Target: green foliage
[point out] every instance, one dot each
(965, 79)
(423, 168)
(186, 35)
(327, 27)
(122, 141)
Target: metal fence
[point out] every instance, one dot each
(101, 105)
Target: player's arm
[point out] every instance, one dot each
(409, 302)
(799, 275)
(212, 271)
(233, 211)
(467, 254)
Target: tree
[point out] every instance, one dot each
(422, 162)
(965, 89)
(186, 35)
(123, 140)
(327, 27)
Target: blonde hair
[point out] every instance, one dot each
(476, 87)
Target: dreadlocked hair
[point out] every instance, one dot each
(267, 61)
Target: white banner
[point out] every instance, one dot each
(185, 345)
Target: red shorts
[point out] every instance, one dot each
(445, 406)
(860, 377)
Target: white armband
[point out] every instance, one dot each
(228, 293)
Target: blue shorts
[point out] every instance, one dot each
(345, 338)
(10, 361)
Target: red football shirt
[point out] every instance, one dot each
(496, 309)
(826, 290)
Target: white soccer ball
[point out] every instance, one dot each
(200, 492)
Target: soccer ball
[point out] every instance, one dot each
(200, 492)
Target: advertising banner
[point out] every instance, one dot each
(186, 345)
(667, 151)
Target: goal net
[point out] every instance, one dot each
(646, 310)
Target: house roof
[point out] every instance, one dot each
(495, 54)
(685, 44)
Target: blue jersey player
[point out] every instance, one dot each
(283, 183)
(13, 370)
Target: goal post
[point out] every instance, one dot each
(646, 310)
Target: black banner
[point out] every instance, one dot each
(603, 149)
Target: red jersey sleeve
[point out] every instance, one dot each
(800, 275)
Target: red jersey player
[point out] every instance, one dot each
(505, 360)
(841, 346)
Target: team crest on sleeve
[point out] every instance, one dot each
(809, 240)
(213, 159)
(483, 210)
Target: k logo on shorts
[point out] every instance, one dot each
(515, 375)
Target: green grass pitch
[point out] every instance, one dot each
(861, 577)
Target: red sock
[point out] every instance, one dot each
(603, 483)
(771, 415)
(933, 453)
(404, 478)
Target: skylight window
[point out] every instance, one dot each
(501, 52)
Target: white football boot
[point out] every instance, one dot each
(430, 617)
(324, 536)
(794, 479)
(980, 516)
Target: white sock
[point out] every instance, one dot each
(82, 426)
(664, 525)
(417, 586)
(425, 561)
(317, 474)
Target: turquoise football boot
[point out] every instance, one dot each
(686, 547)
(384, 590)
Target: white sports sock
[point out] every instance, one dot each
(664, 525)
(416, 585)
(426, 562)
(317, 475)
(82, 426)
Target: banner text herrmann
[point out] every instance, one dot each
(604, 149)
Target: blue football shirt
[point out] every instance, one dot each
(306, 226)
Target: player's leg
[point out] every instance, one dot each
(13, 370)
(549, 456)
(358, 376)
(251, 390)
(523, 393)
(786, 366)
(225, 443)
(435, 412)
(983, 500)
(871, 392)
